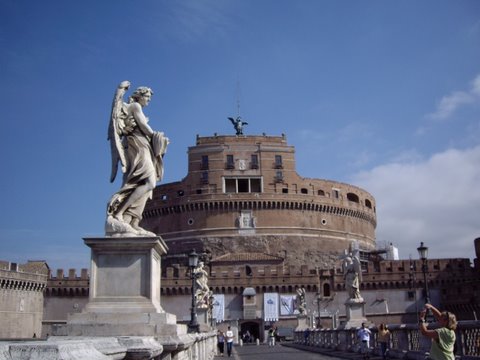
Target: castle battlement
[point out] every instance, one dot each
(72, 274)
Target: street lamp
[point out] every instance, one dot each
(319, 309)
(423, 253)
(192, 264)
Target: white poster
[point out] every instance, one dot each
(270, 306)
(218, 307)
(287, 304)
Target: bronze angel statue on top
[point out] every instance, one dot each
(238, 124)
(140, 151)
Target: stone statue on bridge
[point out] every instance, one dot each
(139, 150)
(353, 275)
(203, 293)
(301, 301)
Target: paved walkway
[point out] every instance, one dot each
(289, 351)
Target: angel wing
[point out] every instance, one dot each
(115, 130)
(232, 120)
(244, 123)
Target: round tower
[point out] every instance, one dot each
(243, 194)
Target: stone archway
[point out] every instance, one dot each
(252, 328)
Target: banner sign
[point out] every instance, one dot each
(270, 306)
(288, 305)
(218, 310)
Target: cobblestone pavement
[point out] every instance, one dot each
(282, 352)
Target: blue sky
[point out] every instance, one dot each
(384, 95)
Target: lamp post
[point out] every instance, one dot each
(423, 253)
(192, 264)
(319, 310)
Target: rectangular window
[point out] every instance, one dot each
(230, 162)
(205, 177)
(204, 165)
(279, 176)
(254, 161)
(230, 185)
(243, 185)
(278, 162)
(255, 185)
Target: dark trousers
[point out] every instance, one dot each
(229, 348)
(221, 347)
(384, 349)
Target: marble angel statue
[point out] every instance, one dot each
(353, 275)
(202, 294)
(139, 150)
(301, 301)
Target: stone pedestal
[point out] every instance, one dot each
(355, 310)
(124, 291)
(125, 274)
(203, 320)
(302, 323)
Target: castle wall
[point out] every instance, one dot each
(393, 289)
(21, 300)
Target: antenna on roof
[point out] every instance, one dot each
(238, 97)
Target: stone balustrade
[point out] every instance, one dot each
(406, 341)
(198, 346)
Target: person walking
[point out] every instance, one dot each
(383, 339)
(220, 342)
(443, 338)
(364, 336)
(229, 337)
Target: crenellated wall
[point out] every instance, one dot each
(21, 299)
(395, 285)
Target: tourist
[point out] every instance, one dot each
(229, 336)
(364, 336)
(246, 337)
(306, 335)
(443, 338)
(220, 342)
(383, 339)
(271, 336)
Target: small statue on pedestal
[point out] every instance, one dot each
(301, 301)
(203, 293)
(352, 274)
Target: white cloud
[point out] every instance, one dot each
(449, 103)
(436, 201)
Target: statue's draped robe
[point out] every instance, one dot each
(144, 158)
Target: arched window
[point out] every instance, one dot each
(326, 290)
(368, 203)
(353, 197)
(248, 270)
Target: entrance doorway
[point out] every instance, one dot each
(249, 332)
